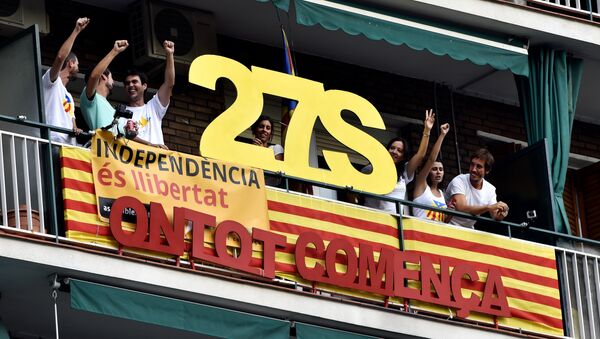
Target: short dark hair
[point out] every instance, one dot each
(134, 72)
(69, 57)
(90, 70)
(256, 124)
(484, 155)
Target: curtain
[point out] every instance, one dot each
(548, 98)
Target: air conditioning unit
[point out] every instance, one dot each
(16, 15)
(152, 22)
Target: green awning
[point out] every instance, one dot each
(305, 331)
(174, 313)
(417, 34)
(3, 332)
(281, 4)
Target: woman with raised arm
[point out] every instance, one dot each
(427, 190)
(405, 168)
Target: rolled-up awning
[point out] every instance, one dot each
(460, 44)
(174, 313)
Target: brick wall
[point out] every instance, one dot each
(193, 107)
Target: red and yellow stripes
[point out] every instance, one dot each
(528, 270)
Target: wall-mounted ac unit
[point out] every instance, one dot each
(152, 22)
(16, 15)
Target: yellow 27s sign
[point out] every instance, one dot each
(313, 102)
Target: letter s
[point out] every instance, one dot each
(383, 178)
(119, 178)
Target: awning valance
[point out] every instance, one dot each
(174, 313)
(417, 34)
(306, 331)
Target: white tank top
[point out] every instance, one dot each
(427, 198)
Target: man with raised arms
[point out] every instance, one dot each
(96, 109)
(148, 116)
(58, 102)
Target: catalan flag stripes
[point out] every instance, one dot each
(291, 214)
(528, 270)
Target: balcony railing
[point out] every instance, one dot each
(586, 9)
(27, 193)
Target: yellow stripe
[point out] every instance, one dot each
(332, 207)
(507, 282)
(462, 233)
(512, 303)
(76, 174)
(445, 310)
(76, 153)
(93, 238)
(320, 225)
(529, 325)
(482, 258)
(529, 306)
(72, 194)
(84, 217)
(531, 287)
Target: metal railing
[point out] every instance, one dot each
(589, 9)
(22, 184)
(580, 297)
(27, 190)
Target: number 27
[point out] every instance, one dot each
(313, 102)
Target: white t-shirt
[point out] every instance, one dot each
(427, 198)
(59, 108)
(149, 119)
(271, 180)
(277, 149)
(474, 197)
(399, 192)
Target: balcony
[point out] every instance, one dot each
(46, 245)
(93, 256)
(583, 9)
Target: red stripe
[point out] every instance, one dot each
(81, 165)
(479, 248)
(537, 318)
(517, 294)
(295, 229)
(333, 218)
(78, 185)
(478, 286)
(533, 297)
(92, 229)
(281, 267)
(506, 272)
(81, 206)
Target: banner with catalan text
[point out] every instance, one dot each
(225, 190)
(526, 271)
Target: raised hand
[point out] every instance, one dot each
(429, 119)
(81, 24)
(120, 46)
(169, 46)
(445, 128)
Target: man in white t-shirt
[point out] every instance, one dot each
(148, 116)
(471, 193)
(58, 102)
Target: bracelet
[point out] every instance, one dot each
(425, 135)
